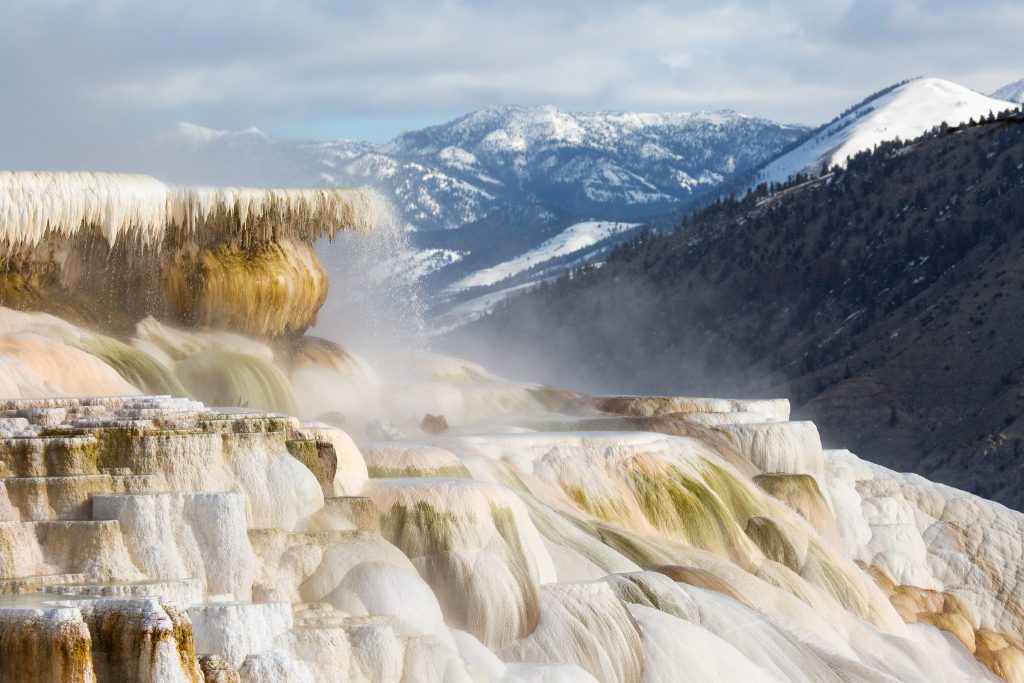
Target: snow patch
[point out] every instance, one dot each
(571, 240)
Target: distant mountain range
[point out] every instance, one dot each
(610, 165)
(505, 196)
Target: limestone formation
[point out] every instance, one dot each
(155, 538)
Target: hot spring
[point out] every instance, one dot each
(194, 488)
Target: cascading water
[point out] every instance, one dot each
(544, 536)
(375, 294)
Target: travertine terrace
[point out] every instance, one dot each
(156, 539)
(538, 535)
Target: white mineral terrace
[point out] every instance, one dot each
(123, 206)
(153, 539)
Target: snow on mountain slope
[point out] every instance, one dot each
(573, 239)
(1012, 92)
(422, 262)
(500, 130)
(615, 165)
(906, 111)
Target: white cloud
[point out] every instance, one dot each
(76, 73)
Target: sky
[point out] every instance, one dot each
(82, 79)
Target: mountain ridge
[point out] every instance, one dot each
(904, 110)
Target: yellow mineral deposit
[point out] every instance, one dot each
(89, 246)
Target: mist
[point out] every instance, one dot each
(607, 340)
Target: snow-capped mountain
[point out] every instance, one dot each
(1011, 92)
(904, 111)
(609, 165)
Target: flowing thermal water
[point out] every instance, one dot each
(543, 536)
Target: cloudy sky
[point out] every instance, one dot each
(81, 77)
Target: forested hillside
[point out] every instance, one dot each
(884, 299)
